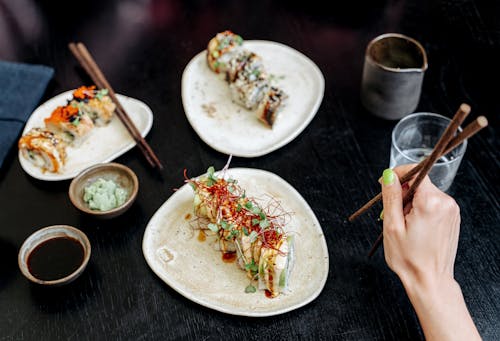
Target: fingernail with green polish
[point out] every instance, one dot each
(381, 217)
(388, 176)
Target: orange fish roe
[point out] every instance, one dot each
(62, 114)
(84, 92)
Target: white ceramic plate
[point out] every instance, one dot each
(104, 144)
(231, 129)
(196, 270)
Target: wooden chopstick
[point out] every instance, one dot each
(470, 130)
(121, 113)
(76, 52)
(88, 63)
(436, 153)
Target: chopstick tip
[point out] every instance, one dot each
(465, 108)
(482, 121)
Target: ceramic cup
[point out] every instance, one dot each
(392, 75)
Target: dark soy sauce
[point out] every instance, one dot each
(55, 258)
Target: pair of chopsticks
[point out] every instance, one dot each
(90, 66)
(446, 144)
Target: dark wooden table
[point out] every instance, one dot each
(143, 47)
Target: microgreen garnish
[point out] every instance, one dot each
(101, 93)
(256, 72)
(238, 207)
(212, 179)
(245, 231)
(225, 225)
(250, 289)
(234, 233)
(273, 78)
(253, 236)
(213, 227)
(252, 266)
(76, 121)
(264, 223)
(255, 221)
(248, 205)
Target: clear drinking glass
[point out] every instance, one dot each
(414, 137)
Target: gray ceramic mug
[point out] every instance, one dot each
(392, 75)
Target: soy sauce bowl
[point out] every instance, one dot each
(118, 173)
(36, 241)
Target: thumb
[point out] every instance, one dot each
(392, 196)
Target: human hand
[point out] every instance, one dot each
(420, 245)
(420, 240)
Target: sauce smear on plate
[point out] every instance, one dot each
(202, 236)
(55, 258)
(228, 257)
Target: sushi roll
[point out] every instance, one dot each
(43, 149)
(247, 62)
(249, 88)
(275, 264)
(244, 229)
(221, 49)
(270, 105)
(70, 123)
(95, 103)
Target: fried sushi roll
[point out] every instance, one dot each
(275, 264)
(270, 105)
(221, 49)
(243, 229)
(95, 103)
(43, 149)
(70, 123)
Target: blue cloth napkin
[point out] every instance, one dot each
(21, 87)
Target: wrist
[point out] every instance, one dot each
(440, 307)
(430, 288)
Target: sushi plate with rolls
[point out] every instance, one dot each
(77, 129)
(250, 97)
(241, 241)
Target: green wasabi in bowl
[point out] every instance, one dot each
(104, 195)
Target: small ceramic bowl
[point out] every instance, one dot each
(120, 174)
(45, 234)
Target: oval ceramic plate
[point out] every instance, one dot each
(196, 270)
(230, 128)
(104, 144)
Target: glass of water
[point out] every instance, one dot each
(413, 139)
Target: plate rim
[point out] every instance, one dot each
(149, 124)
(296, 132)
(241, 312)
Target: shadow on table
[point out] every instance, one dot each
(8, 265)
(349, 14)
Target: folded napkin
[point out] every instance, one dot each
(21, 87)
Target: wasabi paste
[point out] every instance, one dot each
(104, 195)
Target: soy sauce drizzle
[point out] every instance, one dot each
(228, 257)
(55, 258)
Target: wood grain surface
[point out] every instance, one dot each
(143, 47)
